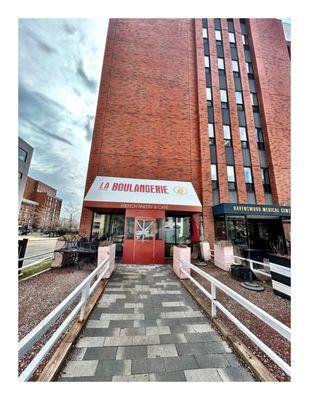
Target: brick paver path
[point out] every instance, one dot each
(146, 327)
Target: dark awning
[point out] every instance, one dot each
(251, 209)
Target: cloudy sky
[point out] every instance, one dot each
(60, 63)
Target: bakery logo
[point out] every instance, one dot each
(180, 190)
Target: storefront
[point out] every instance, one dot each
(263, 228)
(145, 218)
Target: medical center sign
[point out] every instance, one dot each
(141, 193)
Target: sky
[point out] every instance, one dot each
(60, 62)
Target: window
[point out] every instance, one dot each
(211, 132)
(206, 47)
(204, 23)
(266, 180)
(259, 139)
(234, 54)
(243, 133)
(222, 80)
(220, 52)
(220, 63)
(217, 23)
(208, 94)
(210, 112)
(208, 77)
(214, 172)
(249, 68)
(205, 33)
(226, 132)
(225, 115)
(223, 95)
(238, 97)
(231, 37)
(245, 40)
(230, 173)
(129, 232)
(206, 59)
(20, 175)
(235, 66)
(241, 118)
(247, 55)
(248, 175)
(230, 25)
(254, 100)
(22, 154)
(257, 119)
(218, 35)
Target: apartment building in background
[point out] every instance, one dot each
(40, 208)
(24, 159)
(192, 125)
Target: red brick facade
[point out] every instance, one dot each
(40, 208)
(151, 120)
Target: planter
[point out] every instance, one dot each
(205, 251)
(103, 252)
(224, 256)
(280, 270)
(184, 253)
(57, 260)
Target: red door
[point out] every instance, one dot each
(144, 241)
(144, 237)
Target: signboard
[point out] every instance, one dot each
(251, 209)
(113, 192)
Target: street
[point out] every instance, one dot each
(38, 246)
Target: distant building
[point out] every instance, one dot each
(40, 206)
(24, 159)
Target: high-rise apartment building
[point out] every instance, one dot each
(193, 118)
(40, 206)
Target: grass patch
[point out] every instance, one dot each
(35, 269)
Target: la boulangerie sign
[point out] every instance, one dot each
(109, 191)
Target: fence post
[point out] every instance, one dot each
(213, 297)
(22, 246)
(84, 298)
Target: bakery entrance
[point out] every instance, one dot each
(144, 237)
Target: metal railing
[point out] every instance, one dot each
(85, 290)
(251, 265)
(35, 262)
(272, 322)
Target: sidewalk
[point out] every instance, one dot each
(146, 327)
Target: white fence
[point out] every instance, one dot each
(85, 289)
(35, 262)
(278, 326)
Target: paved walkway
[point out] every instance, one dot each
(146, 327)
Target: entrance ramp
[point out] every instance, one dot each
(146, 327)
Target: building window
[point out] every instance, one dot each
(206, 47)
(238, 97)
(230, 173)
(245, 40)
(226, 132)
(231, 37)
(208, 94)
(254, 100)
(205, 33)
(266, 180)
(220, 63)
(223, 95)
(230, 25)
(218, 35)
(211, 132)
(235, 66)
(249, 68)
(217, 24)
(248, 175)
(206, 59)
(214, 172)
(243, 133)
(22, 154)
(259, 138)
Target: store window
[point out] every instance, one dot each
(109, 227)
(220, 230)
(236, 230)
(177, 231)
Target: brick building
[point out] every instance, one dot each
(191, 101)
(40, 206)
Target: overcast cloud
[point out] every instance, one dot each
(60, 62)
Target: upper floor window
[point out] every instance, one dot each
(206, 59)
(230, 173)
(248, 174)
(22, 154)
(208, 93)
(238, 97)
(220, 63)
(214, 172)
(205, 33)
(211, 132)
(223, 95)
(226, 132)
(231, 37)
(235, 66)
(218, 35)
(243, 133)
(217, 23)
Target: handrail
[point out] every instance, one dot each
(36, 255)
(251, 262)
(85, 289)
(275, 324)
(34, 263)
